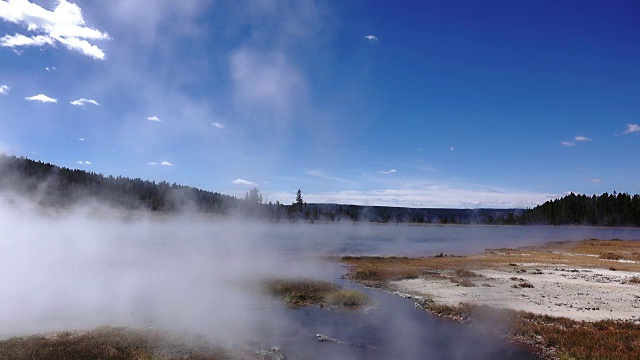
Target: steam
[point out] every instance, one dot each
(92, 265)
(89, 266)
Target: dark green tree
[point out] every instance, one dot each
(299, 201)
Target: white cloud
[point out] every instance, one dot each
(596, 181)
(80, 139)
(152, 163)
(83, 162)
(217, 125)
(21, 40)
(153, 118)
(567, 143)
(371, 38)
(244, 182)
(452, 148)
(4, 89)
(82, 101)
(582, 138)
(53, 68)
(632, 128)
(41, 98)
(166, 163)
(64, 25)
(389, 172)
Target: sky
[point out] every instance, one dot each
(454, 104)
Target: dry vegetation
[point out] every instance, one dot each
(115, 343)
(616, 254)
(313, 292)
(557, 337)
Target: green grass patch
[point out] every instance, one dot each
(314, 292)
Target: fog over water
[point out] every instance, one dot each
(77, 269)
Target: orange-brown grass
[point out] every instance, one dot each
(113, 343)
(587, 253)
(557, 337)
(314, 292)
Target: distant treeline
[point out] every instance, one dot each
(56, 186)
(52, 185)
(617, 209)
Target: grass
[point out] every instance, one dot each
(314, 292)
(114, 343)
(586, 254)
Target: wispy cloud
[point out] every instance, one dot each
(153, 118)
(152, 163)
(267, 82)
(452, 148)
(53, 68)
(80, 139)
(321, 175)
(632, 128)
(244, 182)
(4, 89)
(83, 101)
(595, 181)
(42, 98)
(371, 38)
(166, 163)
(64, 25)
(217, 125)
(576, 140)
(84, 162)
(389, 171)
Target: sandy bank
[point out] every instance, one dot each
(557, 290)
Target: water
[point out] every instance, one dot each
(424, 240)
(200, 276)
(392, 329)
(395, 329)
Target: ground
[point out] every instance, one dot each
(570, 299)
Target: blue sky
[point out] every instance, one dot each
(427, 104)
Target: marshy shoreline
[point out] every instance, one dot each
(569, 300)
